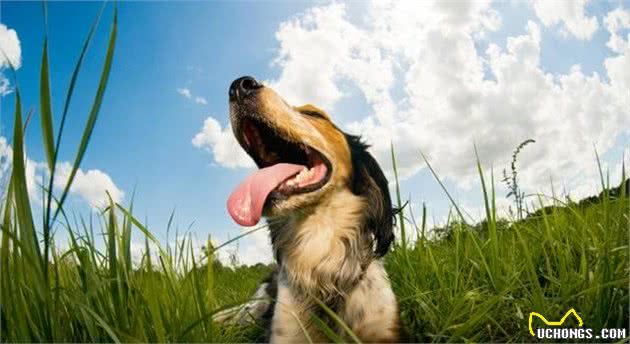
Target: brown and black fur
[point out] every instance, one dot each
(327, 243)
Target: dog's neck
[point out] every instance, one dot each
(323, 250)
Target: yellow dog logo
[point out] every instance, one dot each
(553, 323)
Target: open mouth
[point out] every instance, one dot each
(286, 168)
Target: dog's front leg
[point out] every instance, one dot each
(290, 319)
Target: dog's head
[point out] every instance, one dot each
(302, 159)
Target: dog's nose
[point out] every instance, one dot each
(243, 87)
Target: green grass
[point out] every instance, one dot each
(474, 283)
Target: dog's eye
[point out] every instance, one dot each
(313, 114)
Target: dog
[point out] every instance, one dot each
(330, 218)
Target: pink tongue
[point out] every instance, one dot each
(246, 202)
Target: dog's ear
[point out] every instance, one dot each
(369, 181)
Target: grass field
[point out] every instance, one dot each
(480, 285)
(473, 283)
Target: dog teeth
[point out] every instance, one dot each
(304, 175)
(299, 178)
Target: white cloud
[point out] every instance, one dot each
(571, 14)
(313, 64)
(453, 95)
(6, 157)
(201, 100)
(89, 185)
(10, 54)
(616, 21)
(10, 46)
(184, 92)
(618, 67)
(5, 86)
(187, 93)
(222, 144)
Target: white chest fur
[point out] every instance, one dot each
(322, 250)
(325, 253)
(369, 309)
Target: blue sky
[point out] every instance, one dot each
(174, 62)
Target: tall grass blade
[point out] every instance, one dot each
(102, 323)
(337, 320)
(18, 179)
(401, 218)
(490, 219)
(601, 171)
(46, 109)
(448, 194)
(47, 133)
(96, 105)
(66, 106)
